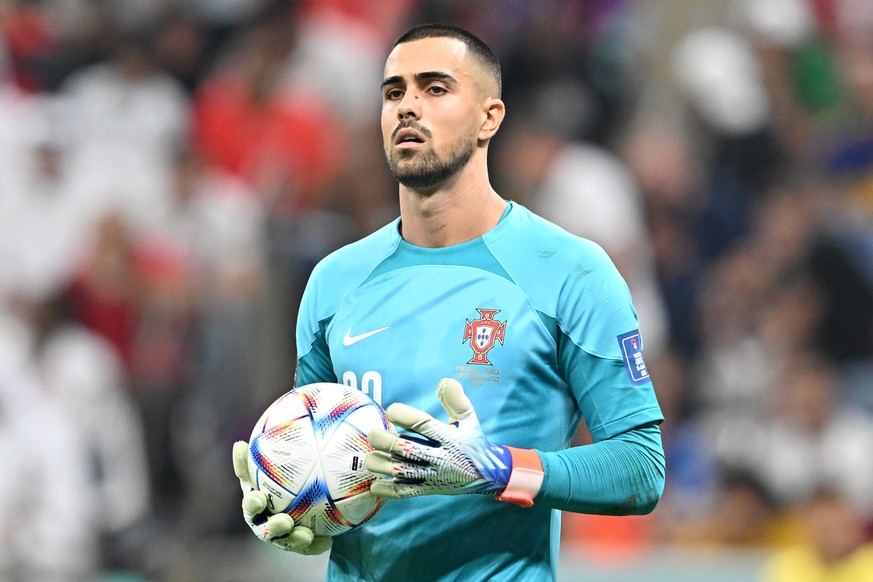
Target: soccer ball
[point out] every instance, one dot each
(307, 454)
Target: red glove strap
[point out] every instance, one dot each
(525, 479)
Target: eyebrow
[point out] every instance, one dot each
(423, 76)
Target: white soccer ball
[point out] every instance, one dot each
(307, 452)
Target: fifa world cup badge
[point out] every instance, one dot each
(632, 353)
(483, 334)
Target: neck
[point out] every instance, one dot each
(462, 209)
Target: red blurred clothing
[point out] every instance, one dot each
(608, 539)
(384, 18)
(110, 311)
(286, 138)
(28, 31)
(138, 298)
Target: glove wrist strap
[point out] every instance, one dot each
(526, 477)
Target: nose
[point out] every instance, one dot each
(409, 107)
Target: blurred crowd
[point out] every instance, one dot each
(171, 171)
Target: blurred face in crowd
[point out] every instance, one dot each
(835, 526)
(434, 100)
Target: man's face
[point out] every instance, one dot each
(430, 111)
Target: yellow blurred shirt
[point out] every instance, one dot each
(801, 564)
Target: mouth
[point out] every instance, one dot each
(408, 137)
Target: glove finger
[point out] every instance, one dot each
(302, 541)
(319, 545)
(299, 538)
(241, 464)
(382, 440)
(414, 472)
(406, 416)
(392, 444)
(384, 489)
(415, 420)
(395, 490)
(382, 464)
(435, 433)
(280, 531)
(280, 525)
(254, 503)
(456, 403)
(277, 526)
(379, 463)
(411, 449)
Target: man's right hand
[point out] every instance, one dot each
(279, 528)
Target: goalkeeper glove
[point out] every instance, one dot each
(450, 459)
(278, 529)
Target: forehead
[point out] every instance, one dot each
(446, 55)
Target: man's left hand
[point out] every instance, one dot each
(442, 458)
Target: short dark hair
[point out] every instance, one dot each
(474, 44)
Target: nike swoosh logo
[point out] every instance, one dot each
(350, 339)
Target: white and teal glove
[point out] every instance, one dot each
(278, 529)
(449, 459)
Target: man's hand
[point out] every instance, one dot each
(278, 529)
(449, 459)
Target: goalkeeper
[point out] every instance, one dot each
(523, 329)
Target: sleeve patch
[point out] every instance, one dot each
(632, 353)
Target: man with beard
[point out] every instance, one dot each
(524, 329)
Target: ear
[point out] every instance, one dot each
(494, 110)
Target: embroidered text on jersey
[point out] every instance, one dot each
(350, 339)
(483, 333)
(632, 353)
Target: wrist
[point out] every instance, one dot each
(525, 479)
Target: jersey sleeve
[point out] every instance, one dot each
(600, 357)
(600, 350)
(331, 281)
(313, 354)
(623, 475)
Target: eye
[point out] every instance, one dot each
(394, 94)
(437, 90)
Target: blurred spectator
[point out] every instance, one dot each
(105, 289)
(758, 305)
(719, 75)
(44, 221)
(162, 357)
(249, 121)
(122, 119)
(734, 370)
(660, 155)
(47, 491)
(593, 44)
(226, 17)
(215, 225)
(813, 437)
(841, 263)
(695, 481)
(216, 235)
(183, 48)
(30, 33)
(587, 190)
(743, 516)
(21, 121)
(834, 547)
(340, 52)
(84, 375)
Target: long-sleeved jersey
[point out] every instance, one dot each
(539, 328)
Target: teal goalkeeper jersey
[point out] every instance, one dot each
(539, 328)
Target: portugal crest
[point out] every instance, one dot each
(483, 333)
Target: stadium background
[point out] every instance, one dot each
(170, 171)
